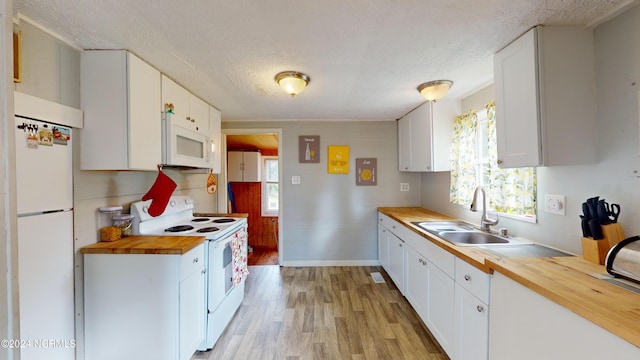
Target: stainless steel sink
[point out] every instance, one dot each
(463, 234)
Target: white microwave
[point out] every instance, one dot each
(182, 146)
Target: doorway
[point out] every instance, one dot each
(252, 173)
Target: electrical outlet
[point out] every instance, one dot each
(404, 186)
(295, 180)
(554, 204)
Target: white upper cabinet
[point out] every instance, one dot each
(424, 136)
(244, 166)
(120, 94)
(215, 129)
(191, 112)
(545, 98)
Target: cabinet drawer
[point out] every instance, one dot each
(474, 280)
(439, 257)
(191, 261)
(394, 226)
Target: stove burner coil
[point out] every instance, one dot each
(221, 221)
(179, 228)
(207, 229)
(199, 220)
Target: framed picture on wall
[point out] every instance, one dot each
(309, 149)
(366, 171)
(17, 57)
(338, 162)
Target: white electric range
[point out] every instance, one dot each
(223, 298)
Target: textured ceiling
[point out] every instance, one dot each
(365, 57)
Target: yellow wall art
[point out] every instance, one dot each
(338, 159)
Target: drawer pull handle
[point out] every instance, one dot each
(203, 271)
(467, 277)
(195, 260)
(480, 308)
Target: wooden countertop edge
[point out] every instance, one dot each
(152, 245)
(587, 297)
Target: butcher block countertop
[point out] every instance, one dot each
(563, 280)
(172, 245)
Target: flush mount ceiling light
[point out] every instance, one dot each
(434, 90)
(292, 82)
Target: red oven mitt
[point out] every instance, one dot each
(160, 193)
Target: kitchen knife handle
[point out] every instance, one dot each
(596, 229)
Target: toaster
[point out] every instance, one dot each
(623, 260)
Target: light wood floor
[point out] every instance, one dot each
(323, 313)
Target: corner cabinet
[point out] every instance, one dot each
(144, 306)
(424, 136)
(120, 94)
(545, 98)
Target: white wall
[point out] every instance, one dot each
(617, 46)
(327, 219)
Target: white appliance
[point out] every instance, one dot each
(184, 143)
(44, 181)
(223, 298)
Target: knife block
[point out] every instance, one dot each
(595, 251)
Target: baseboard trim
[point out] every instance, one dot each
(316, 263)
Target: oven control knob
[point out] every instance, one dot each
(172, 203)
(188, 201)
(145, 209)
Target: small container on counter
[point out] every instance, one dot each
(108, 232)
(124, 222)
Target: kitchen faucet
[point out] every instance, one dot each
(485, 222)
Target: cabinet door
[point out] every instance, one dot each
(472, 326)
(173, 93)
(517, 103)
(383, 247)
(416, 291)
(443, 113)
(192, 313)
(145, 131)
(215, 121)
(396, 260)
(252, 166)
(440, 306)
(421, 136)
(404, 143)
(234, 166)
(199, 115)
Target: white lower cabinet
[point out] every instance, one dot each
(383, 247)
(416, 280)
(527, 326)
(396, 260)
(450, 295)
(192, 319)
(440, 306)
(144, 306)
(471, 326)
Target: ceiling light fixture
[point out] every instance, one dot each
(434, 90)
(292, 82)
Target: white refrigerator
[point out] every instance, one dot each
(44, 179)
